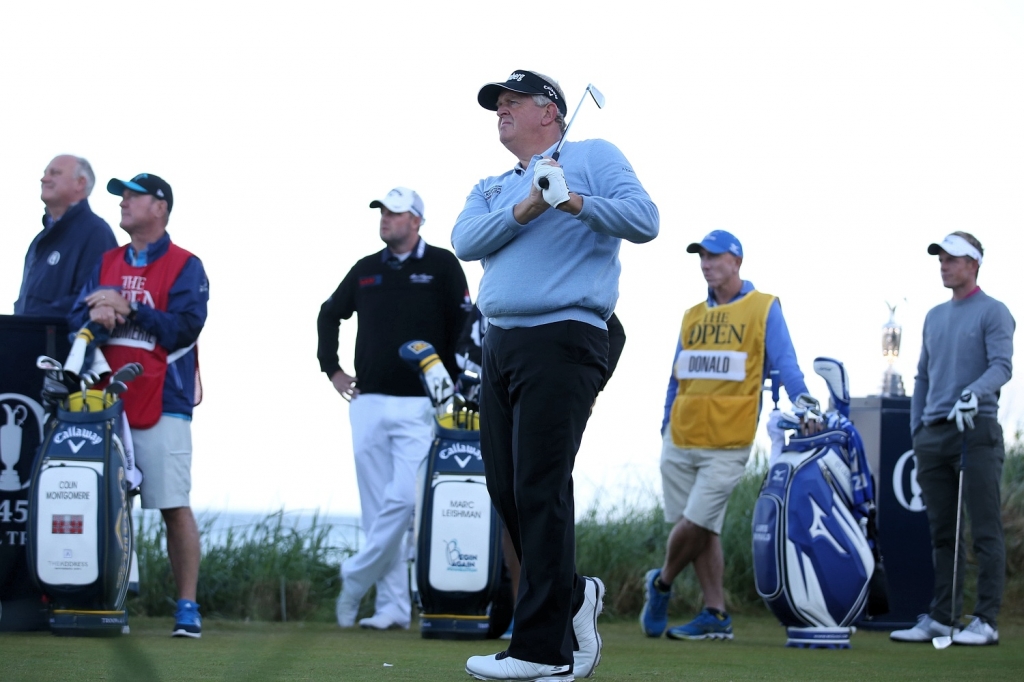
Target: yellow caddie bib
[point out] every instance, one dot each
(720, 372)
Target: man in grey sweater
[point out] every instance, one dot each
(965, 360)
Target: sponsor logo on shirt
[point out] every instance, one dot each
(492, 191)
(370, 281)
(416, 278)
(53, 258)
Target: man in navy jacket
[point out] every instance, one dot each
(62, 256)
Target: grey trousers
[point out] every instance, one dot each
(937, 450)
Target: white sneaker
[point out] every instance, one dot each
(924, 631)
(346, 609)
(977, 633)
(584, 625)
(501, 666)
(380, 621)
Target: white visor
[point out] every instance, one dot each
(955, 245)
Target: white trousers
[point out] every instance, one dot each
(390, 437)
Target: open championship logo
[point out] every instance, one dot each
(904, 481)
(17, 446)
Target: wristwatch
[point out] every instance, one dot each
(134, 305)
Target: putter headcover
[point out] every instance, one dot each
(423, 359)
(834, 374)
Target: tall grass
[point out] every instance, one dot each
(622, 543)
(242, 576)
(1013, 525)
(251, 574)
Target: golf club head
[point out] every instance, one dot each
(127, 373)
(596, 94)
(90, 378)
(942, 642)
(117, 387)
(837, 380)
(44, 362)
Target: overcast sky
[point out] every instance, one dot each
(836, 140)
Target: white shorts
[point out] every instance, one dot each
(697, 483)
(164, 455)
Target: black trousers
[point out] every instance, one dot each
(937, 450)
(538, 386)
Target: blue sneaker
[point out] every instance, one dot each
(654, 614)
(705, 626)
(187, 621)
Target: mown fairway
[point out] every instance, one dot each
(268, 651)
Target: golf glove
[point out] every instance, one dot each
(557, 191)
(964, 410)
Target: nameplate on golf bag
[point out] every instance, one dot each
(460, 557)
(812, 561)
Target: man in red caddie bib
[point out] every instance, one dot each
(151, 297)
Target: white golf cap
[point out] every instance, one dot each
(955, 245)
(400, 200)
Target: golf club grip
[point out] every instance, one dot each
(543, 182)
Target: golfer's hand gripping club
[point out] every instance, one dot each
(551, 181)
(543, 183)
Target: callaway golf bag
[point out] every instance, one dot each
(80, 531)
(814, 544)
(458, 565)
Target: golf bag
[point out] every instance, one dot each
(814, 545)
(80, 531)
(458, 569)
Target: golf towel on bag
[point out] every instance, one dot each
(813, 560)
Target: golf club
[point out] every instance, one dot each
(127, 373)
(598, 100)
(943, 641)
(115, 388)
(48, 364)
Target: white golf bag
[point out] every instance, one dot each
(814, 545)
(458, 569)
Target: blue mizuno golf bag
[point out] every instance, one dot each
(813, 541)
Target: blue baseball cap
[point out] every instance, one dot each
(144, 183)
(718, 241)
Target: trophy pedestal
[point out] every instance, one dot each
(892, 383)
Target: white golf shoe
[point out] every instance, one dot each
(346, 609)
(977, 633)
(501, 666)
(926, 628)
(382, 621)
(584, 625)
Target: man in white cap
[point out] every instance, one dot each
(408, 291)
(965, 360)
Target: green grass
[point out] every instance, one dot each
(231, 650)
